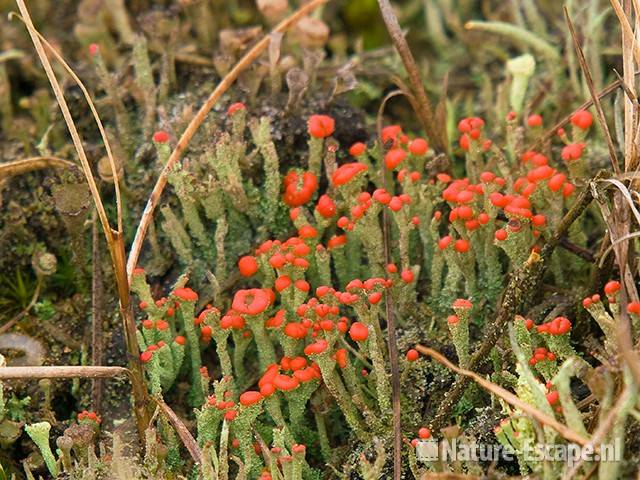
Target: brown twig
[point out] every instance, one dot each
(421, 104)
(522, 286)
(390, 314)
(27, 165)
(197, 121)
(577, 250)
(508, 397)
(96, 315)
(181, 429)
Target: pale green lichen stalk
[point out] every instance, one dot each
(39, 433)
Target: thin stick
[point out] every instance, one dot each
(508, 397)
(181, 429)
(551, 132)
(198, 119)
(26, 165)
(392, 341)
(96, 315)
(422, 104)
(14, 373)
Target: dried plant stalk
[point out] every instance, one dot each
(32, 164)
(508, 397)
(114, 238)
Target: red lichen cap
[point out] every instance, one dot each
(326, 207)
(298, 448)
(248, 266)
(252, 301)
(634, 308)
(394, 157)
(186, 294)
(146, 356)
(307, 231)
(161, 136)
(250, 398)
(316, 348)
(534, 120)
(611, 287)
(320, 126)
(285, 382)
(501, 235)
(235, 107)
(461, 245)
(295, 330)
(299, 189)
(357, 149)
(341, 357)
(444, 242)
(346, 172)
(418, 146)
(557, 326)
(391, 133)
(336, 241)
(582, 119)
(572, 151)
(412, 355)
(407, 275)
(462, 303)
(358, 332)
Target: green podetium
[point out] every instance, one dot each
(39, 433)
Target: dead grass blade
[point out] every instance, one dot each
(181, 429)
(508, 397)
(96, 117)
(26, 165)
(199, 118)
(594, 95)
(422, 104)
(77, 142)
(17, 373)
(626, 28)
(114, 238)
